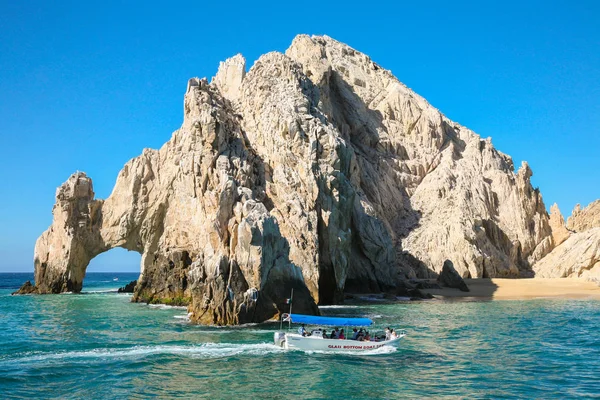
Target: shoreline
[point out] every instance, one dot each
(521, 289)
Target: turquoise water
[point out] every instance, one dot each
(99, 345)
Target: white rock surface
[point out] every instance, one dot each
(577, 257)
(582, 220)
(560, 233)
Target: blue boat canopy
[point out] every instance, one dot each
(331, 321)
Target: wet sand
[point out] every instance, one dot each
(514, 289)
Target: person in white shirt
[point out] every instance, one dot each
(302, 330)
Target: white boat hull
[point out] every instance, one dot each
(293, 341)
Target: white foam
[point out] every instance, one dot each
(239, 326)
(167, 307)
(182, 317)
(101, 291)
(234, 331)
(368, 298)
(336, 306)
(205, 351)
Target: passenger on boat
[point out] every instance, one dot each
(342, 335)
(325, 334)
(367, 337)
(387, 333)
(361, 335)
(355, 334)
(393, 334)
(302, 330)
(335, 334)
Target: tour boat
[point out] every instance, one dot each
(315, 341)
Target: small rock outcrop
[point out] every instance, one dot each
(129, 288)
(316, 170)
(27, 288)
(450, 278)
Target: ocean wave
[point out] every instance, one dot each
(204, 351)
(167, 307)
(241, 326)
(370, 298)
(100, 291)
(336, 306)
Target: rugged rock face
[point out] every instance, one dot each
(577, 251)
(577, 257)
(582, 220)
(431, 187)
(316, 170)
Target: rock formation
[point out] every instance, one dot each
(577, 257)
(560, 233)
(129, 288)
(577, 251)
(450, 278)
(27, 288)
(582, 220)
(316, 170)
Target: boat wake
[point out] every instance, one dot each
(213, 331)
(204, 351)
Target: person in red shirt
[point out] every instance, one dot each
(342, 334)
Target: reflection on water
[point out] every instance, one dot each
(523, 349)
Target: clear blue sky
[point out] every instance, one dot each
(87, 85)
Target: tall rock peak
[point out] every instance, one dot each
(560, 233)
(229, 77)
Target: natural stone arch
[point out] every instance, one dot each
(64, 251)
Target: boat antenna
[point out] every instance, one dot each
(291, 299)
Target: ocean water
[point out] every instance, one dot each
(99, 345)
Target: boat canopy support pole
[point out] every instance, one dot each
(291, 300)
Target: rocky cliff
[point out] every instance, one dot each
(315, 170)
(577, 245)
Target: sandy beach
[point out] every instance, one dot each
(512, 289)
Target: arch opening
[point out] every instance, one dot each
(111, 270)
